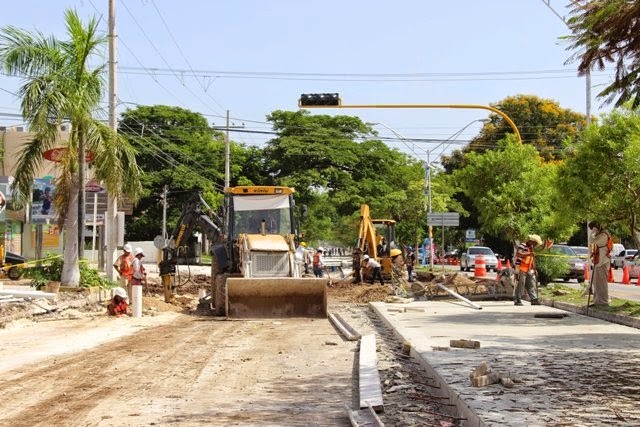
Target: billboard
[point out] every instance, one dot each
(42, 209)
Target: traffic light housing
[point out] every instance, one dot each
(320, 100)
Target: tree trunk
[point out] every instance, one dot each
(71, 268)
(80, 200)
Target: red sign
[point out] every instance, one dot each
(93, 186)
(56, 155)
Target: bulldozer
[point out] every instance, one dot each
(376, 238)
(254, 270)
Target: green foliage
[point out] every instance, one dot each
(603, 173)
(550, 267)
(608, 32)
(50, 270)
(176, 148)
(511, 188)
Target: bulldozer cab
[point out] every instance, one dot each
(261, 214)
(261, 277)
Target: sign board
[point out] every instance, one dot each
(443, 219)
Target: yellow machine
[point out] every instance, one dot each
(254, 269)
(376, 238)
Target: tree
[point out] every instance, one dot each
(541, 123)
(608, 31)
(512, 189)
(178, 149)
(334, 174)
(603, 173)
(60, 87)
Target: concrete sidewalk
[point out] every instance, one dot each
(571, 371)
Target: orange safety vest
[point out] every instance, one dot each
(126, 266)
(524, 260)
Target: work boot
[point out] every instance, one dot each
(535, 302)
(517, 303)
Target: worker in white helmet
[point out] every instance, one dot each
(139, 274)
(118, 304)
(124, 267)
(375, 267)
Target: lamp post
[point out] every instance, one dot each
(427, 169)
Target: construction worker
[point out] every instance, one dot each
(410, 262)
(525, 268)
(601, 257)
(318, 263)
(375, 267)
(124, 267)
(118, 304)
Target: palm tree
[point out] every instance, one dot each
(59, 86)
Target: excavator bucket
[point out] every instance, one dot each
(276, 297)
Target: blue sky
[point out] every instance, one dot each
(253, 57)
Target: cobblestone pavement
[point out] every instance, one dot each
(575, 370)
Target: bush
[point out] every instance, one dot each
(550, 267)
(50, 270)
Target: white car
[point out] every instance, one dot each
(617, 261)
(633, 265)
(468, 258)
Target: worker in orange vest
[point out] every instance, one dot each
(124, 267)
(526, 271)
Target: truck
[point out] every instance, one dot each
(377, 239)
(254, 270)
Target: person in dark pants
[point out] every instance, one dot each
(410, 262)
(375, 267)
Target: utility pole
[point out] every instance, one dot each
(111, 217)
(165, 190)
(227, 155)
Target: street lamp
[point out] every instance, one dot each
(427, 168)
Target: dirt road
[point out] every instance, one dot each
(189, 371)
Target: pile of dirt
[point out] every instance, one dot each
(345, 291)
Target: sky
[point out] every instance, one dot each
(252, 57)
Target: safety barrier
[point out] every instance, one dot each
(480, 267)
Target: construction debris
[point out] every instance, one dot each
(464, 344)
(344, 327)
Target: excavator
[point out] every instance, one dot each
(254, 271)
(376, 238)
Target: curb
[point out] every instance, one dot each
(632, 322)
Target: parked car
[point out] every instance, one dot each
(10, 259)
(617, 261)
(633, 265)
(617, 248)
(576, 264)
(582, 252)
(468, 258)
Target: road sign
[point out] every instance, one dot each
(443, 219)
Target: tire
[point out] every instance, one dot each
(461, 267)
(14, 273)
(580, 279)
(566, 279)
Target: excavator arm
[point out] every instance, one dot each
(196, 213)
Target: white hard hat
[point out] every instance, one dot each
(138, 251)
(127, 248)
(320, 249)
(120, 292)
(365, 257)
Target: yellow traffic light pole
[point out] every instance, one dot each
(333, 100)
(441, 106)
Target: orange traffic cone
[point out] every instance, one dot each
(499, 266)
(610, 278)
(508, 263)
(586, 272)
(626, 280)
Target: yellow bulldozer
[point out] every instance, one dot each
(255, 273)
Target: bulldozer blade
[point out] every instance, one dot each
(276, 297)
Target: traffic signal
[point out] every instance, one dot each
(320, 100)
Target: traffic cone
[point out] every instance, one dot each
(626, 280)
(586, 272)
(499, 266)
(610, 278)
(508, 263)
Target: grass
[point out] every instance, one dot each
(569, 295)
